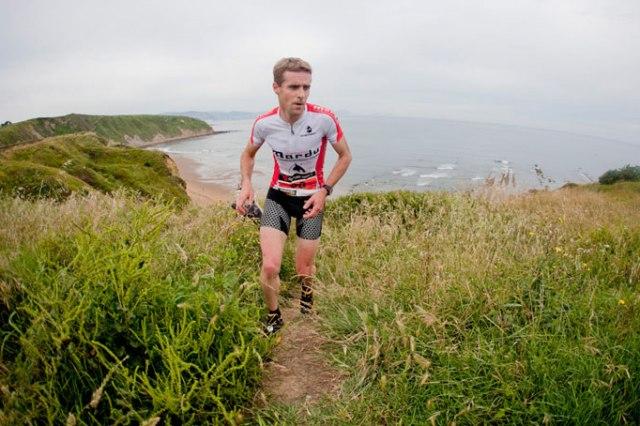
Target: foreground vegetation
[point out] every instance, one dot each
(116, 311)
(117, 129)
(438, 307)
(57, 167)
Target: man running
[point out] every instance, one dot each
(297, 132)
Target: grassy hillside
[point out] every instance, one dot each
(116, 128)
(438, 308)
(455, 309)
(58, 166)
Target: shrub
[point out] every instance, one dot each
(626, 173)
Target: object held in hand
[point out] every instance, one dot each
(252, 211)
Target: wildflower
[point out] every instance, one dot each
(558, 249)
(621, 302)
(531, 233)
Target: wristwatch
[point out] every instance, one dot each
(329, 188)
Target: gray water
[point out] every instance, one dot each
(423, 154)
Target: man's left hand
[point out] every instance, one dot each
(315, 204)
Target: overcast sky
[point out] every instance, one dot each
(568, 65)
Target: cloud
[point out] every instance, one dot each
(566, 65)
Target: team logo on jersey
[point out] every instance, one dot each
(298, 168)
(297, 172)
(310, 132)
(312, 153)
(293, 177)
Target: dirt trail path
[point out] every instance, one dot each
(298, 374)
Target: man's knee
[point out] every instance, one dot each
(305, 268)
(305, 257)
(271, 267)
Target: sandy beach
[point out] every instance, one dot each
(201, 193)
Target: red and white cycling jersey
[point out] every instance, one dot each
(298, 148)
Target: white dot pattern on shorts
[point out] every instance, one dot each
(310, 229)
(272, 215)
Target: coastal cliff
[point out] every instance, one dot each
(132, 130)
(58, 166)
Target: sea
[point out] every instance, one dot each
(420, 154)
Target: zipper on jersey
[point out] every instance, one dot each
(292, 129)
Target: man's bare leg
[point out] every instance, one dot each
(272, 243)
(305, 268)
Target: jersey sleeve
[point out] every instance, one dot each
(257, 137)
(334, 131)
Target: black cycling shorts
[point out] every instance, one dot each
(278, 210)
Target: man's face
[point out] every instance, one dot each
(293, 92)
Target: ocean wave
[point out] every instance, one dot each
(404, 172)
(175, 151)
(446, 166)
(434, 175)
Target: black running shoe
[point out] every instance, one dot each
(273, 323)
(306, 299)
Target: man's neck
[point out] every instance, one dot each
(287, 117)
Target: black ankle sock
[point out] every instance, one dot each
(275, 313)
(306, 293)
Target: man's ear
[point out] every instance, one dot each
(276, 88)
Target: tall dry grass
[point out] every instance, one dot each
(466, 309)
(440, 308)
(115, 310)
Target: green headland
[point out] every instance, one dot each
(134, 130)
(54, 157)
(58, 166)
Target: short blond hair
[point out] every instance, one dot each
(289, 64)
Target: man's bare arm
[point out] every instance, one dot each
(342, 164)
(315, 204)
(247, 162)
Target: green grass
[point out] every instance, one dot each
(59, 166)
(437, 308)
(115, 128)
(139, 308)
(451, 308)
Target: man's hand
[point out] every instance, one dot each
(245, 198)
(246, 195)
(315, 204)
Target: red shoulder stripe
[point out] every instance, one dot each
(260, 117)
(327, 111)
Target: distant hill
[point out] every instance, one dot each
(217, 115)
(134, 130)
(58, 166)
